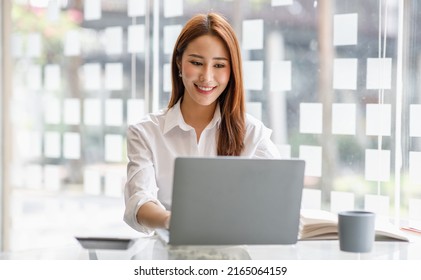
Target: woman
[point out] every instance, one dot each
(205, 117)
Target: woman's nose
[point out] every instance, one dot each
(206, 74)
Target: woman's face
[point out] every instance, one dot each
(205, 68)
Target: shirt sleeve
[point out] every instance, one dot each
(265, 147)
(141, 184)
(258, 143)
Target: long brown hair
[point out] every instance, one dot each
(231, 101)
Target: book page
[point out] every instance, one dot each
(320, 224)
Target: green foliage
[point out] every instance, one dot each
(28, 20)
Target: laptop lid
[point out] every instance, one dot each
(234, 200)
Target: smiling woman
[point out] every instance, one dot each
(205, 71)
(203, 28)
(205, 117)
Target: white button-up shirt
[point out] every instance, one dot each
(155, 142)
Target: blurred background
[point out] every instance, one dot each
(338, 82)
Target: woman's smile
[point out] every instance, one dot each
(205, 69)
(205, 89)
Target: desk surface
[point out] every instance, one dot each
(151, 248)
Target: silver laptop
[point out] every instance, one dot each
(234, 200)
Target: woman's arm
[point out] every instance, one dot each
(152, 215)
(143, 212)
(257, 141)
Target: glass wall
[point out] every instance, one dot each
(336, 81)
(1, 131)
(78, 80)
(410, 112)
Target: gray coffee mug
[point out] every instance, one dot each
(356, 231)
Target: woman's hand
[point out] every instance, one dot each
(152, 215)
(167, 220)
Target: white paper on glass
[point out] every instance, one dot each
(415, 167)
(166, 75)
(313, 158)
(22, 143)
(52, 178)
(344, 119)
(72, 111)
(92, 76)
(53, 10)
(72, 45)
(113, 184)
(379, 73)
(92, 111)
(281, 2)
(16, 178)
(33, 176)
(15, 108)
(377, 165)
(414, 213)
(171, 33)
(52, 144)
(92, 9)
(136, 38)
(113, 40)
(378, 204)
(253, 34)
(114, 76)
(71, 145)
(28, 144)
(113, 148)
(414, 120)
(254, 109)
(33, 45)
(17, 45)
(280, 75)
(341, 201)
(284, 151)
(114, 112)
(253, 74)
(345, 29)
(379, 119)
(345, 73)
(136, 8)
(34, 77)
(311, 199)
(52, 110)
(135, 110)
(311, 118)
(52, 78)
(173, 8)
(91, 181)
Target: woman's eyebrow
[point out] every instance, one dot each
(201, 57)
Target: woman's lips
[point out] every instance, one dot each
(205, 89)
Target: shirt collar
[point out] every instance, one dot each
(175, 118)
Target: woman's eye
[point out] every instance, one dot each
(195, 63)
(219, 65)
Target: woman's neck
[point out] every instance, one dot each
(197, 116)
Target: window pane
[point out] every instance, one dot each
(325, 76)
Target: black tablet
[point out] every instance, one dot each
(105, 243)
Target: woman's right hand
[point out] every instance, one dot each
(154, 216)
(167, 220)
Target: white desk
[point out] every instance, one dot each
(151, 248)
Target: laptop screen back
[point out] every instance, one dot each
(233, 200)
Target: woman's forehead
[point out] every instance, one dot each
(208, 46)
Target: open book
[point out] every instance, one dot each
(321, 224)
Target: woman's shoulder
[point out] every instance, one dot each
(254, 126)
(150, 120)
(253, 122)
